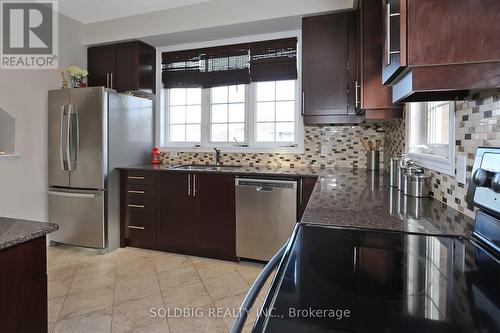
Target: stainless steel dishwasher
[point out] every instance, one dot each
(266, 213)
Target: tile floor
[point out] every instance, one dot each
(116, 292)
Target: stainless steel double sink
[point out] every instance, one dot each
(205, 167)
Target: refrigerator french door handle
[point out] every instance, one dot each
(68, 135)
(73, 138)
(62, 138)
(72, 194)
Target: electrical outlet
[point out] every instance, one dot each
(324, 149)
(461, 169)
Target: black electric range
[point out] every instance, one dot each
(334, 279)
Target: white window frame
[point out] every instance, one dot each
(437, 163)
(161, 101)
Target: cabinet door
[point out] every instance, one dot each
(306, 186)
(101, 63)
(325, 41)
(373, 95)
(215, 221)
(175, 225)
(394, 55)
(127, 67)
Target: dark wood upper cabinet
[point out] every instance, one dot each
(215, 216)
(329, 69)
(394, 38)
(100, 63)
(124, 67)
(373, 97)
(440, 49)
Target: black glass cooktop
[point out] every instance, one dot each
(346, 280)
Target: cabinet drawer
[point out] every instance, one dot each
(139, 177)
(141, 191)
(140, 205)
(140, 226)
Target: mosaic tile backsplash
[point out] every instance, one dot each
(477, 123)
(343, 149)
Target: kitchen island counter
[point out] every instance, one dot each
(16, 231)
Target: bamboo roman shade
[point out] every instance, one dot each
(231, 64)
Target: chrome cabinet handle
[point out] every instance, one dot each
(303, 102)
(194, 185)
(356, 94)
(136, 177)
(389, 52)
(388, 32)
(111, 80)
(136, 192)
(136, 227)
(135, 206)
(189, 184)
(300, 190)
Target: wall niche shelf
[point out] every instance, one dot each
(7, 135)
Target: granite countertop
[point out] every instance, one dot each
(16, 231)
(241, 170)
(359, 198)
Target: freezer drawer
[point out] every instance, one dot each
(266, 213)
(80, 216)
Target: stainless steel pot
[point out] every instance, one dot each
(416, 184)
(394, 171)
(404, 166)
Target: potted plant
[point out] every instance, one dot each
(77, 76)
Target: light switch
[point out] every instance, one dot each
(461, 169)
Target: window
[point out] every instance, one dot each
(275, 107)
(239, 94)
(261, 115)
(184, 105)
(431, 135)
(227, 110)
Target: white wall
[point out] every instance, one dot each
(23, 93)
(207, 15)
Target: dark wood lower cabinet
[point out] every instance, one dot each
(23, 287)
(189, 213)
(176, 214)
(306, 186)
(215, 218)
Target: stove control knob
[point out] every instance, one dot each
(495, 182)
(480, 177)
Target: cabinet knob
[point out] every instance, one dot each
(480, 177)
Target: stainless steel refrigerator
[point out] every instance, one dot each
(92, 131)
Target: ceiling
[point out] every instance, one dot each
(90, 11)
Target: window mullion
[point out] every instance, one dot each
(205, 117)
(251, 115)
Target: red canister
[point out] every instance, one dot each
(155, 156)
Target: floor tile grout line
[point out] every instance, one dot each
(64, 300)
(161, 293)
(114, 294)
(208, 293)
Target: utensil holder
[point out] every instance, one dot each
(373, 160)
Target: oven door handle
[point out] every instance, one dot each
(254, 291)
